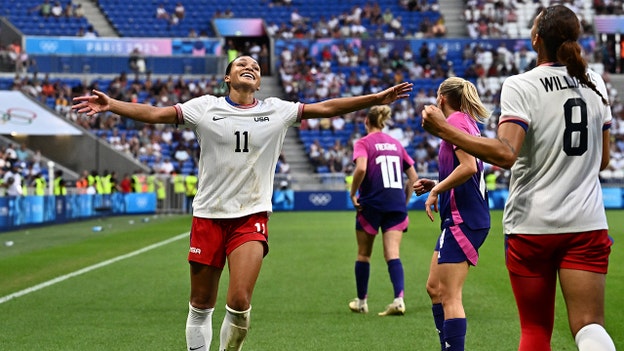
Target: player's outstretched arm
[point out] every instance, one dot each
(341, 106)
(99, 102)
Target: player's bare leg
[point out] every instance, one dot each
(204, 286)
(244, 265)
(584, 295)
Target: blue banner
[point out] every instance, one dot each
(16, 212)
(60, 209)
(612, 197)
(140, 203)
(4, 212)
(120, 46)
(320, 200)
(283, 200)
(239, 27)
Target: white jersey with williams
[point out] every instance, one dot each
(240, 146)
(554, 186)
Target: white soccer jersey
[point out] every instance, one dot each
(554, 186)
(239, 151)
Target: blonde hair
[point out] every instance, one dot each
(462, 95)
(378, 115)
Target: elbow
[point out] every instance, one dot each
(505, 160)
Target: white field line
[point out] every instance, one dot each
(90, 268)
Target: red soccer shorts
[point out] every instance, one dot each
(212, 240)
(533, 255)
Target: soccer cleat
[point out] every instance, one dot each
(397, 308)
(358, 306)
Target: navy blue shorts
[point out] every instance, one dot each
(371, 219)
(458, 243)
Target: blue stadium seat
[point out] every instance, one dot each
(322, 169)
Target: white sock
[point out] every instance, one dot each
(199, 329)
(593, 337)
(234, 329)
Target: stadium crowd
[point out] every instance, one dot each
(306, 76)
(343, 70)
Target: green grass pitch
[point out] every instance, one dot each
(140, 302)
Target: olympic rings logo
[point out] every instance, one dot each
(16, 115)
(141, 202)
(320, 199)
(48, 46)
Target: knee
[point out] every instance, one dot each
(433, 290)
(364, 256)
(239, 302)
(201, 304)
(391, 252)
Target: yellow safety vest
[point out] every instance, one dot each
(138, 187)
(191, 185)
(99, 187)
(178, 184)
(490, 181)
(107, 186)
(40, 185)
(151, 183)
(59, 189)
(161, 192)
(348, 181)
(91, 180)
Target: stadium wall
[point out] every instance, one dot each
(19, 212)
(27, 121)
(25, 211)
(289, 200)
(81, 152)
(110, 55)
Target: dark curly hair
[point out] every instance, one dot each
(560, 29)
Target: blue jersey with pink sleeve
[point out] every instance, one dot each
(468, 202)
(383, 187)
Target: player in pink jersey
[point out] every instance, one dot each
(464, 212)
(380, 197)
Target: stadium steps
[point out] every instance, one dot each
(295, 153)
(95, 16)
(270, 87)
(617, 81)
(68, 174)
(453, 12)
(293, 150)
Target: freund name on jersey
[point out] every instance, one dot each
(385, 146)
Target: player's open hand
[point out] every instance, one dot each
(433, 119)
(431, 204)
(92, 104)
(356, 203)
(399, 91)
